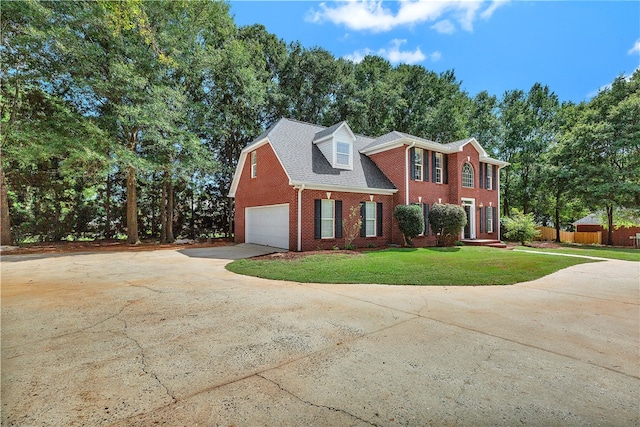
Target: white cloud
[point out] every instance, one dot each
(486, 14)
(444, 27)
(394, 54)
(372, 15)
(635, 48)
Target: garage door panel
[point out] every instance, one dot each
(268, 225)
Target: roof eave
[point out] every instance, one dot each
(342, 188)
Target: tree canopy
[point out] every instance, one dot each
(126, 119)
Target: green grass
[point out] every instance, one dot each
(625, 254)
(456, 266)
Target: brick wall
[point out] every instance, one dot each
(393, 164)
(269, 187)
(310, 243)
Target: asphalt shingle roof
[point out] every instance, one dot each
(304, 162)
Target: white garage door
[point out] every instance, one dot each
(268, 225)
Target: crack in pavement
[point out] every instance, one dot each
(77, 331)
(331, 408)
(144, 362)
(479, 331)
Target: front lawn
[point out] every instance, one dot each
(625, 254)
(424, 266)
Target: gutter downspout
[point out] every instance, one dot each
(300, 190)
(406, 175)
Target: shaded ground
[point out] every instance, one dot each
(107, 246)
(171, 338)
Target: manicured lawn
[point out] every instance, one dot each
(625, 254)
(425, 266)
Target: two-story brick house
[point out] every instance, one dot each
(295, 185)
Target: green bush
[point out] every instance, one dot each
(410, 221)
(446, 221)
(520, 227)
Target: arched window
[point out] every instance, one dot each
(467, 176)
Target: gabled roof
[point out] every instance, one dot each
(304, 163)
(591, 219)
(397, 139)
(326, 133)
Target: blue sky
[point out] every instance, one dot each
(575, 47)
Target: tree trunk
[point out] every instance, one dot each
(107, 209)
(132, 207)
(163, 212)
(192, 221)
(5, 220)
(230, 219)
(170, 238)
(610, 225)
(556, 218)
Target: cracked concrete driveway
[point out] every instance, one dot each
(172, 338)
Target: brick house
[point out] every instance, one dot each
(294, 186)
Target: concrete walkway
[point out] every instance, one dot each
(172, 338)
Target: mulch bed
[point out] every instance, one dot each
(108, 246)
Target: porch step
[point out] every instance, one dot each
(497, 245)
(484, 242)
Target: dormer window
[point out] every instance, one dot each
(336, 144)
(343, 154)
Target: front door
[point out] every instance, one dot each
(469, 230)
(466, 234)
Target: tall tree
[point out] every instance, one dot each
(606, 140)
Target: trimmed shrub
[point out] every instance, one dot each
(520, 227)
(410, 221)
(446, 221)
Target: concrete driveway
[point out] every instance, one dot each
(172, 338)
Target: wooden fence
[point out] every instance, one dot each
(548, 233)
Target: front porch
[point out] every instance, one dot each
(484, 242)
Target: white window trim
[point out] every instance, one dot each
(254, 164)
(489, 178)
(418, 176)
(374, 219)
(464, 167)
(349, 153)
(439, 161)
(324, 219)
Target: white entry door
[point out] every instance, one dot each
(469, 231)
(268, 225)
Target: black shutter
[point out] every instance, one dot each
(426, 165)
(338, 219)
(317, 219)
(363, 215)
(494, 219)
(481, 220)
(482, 165)
(425, 211)
(412, 162)
(433, 166)
(494, 183)
(379, 220)
(445, 171)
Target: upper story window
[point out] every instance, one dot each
(489, 175)
(254, 164)
(467, 175)
(438, 167)
(418, 161)
(343, 153)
